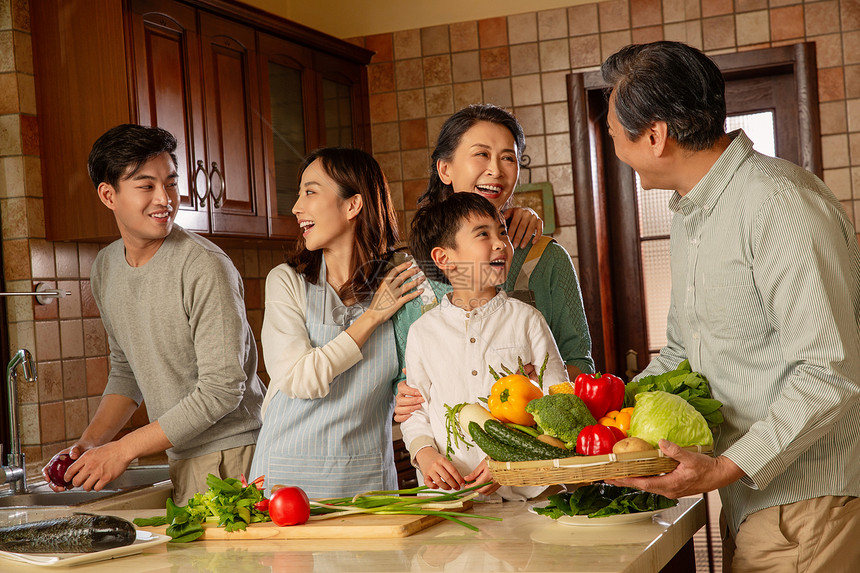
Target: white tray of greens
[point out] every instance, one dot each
(602, 504)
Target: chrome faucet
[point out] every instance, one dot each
(15, 472)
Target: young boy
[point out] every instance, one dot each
(463, 241)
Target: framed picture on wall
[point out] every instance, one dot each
(539, 197)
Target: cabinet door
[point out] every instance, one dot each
(166, 60)
(234, 141)
(287, 101)
(81, 92)
(344, 116)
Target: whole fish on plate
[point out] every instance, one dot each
(79, 533)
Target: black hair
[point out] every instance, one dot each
(671, 82)
(122, 150)
(436, 225)
(356, 172)
(452, 132)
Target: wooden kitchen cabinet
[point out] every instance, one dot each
(168, 90)
(288, 99)
(310, 100)
(246, 94)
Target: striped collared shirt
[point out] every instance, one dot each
(765, 303)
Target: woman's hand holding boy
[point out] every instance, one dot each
(395, 290)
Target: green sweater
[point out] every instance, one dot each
(179, 339)
(557, 296)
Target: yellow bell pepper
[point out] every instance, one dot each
(619, 419)
(508, 399)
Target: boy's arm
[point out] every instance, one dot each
(417, 432)
(437, 470)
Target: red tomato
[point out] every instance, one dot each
(289, 506)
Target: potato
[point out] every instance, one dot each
(551, 441)
(631, 445)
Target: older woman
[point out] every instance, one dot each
(479, 150)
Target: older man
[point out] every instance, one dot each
(765, 303)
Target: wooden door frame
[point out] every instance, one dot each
(598, 220)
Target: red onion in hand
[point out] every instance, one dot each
(57, 469)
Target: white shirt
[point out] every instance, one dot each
(448, 354)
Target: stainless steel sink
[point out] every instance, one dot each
(74, 497)
(135, 477)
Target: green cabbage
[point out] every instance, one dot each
(660, 415)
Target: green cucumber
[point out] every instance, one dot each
(494, 448)
(523, 442)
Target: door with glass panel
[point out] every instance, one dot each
(344, 115)
(623, 230)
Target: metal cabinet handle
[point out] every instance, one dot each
(217, 200)
(202, 198)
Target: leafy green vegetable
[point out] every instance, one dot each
(691, 386)
(561, 416)
(660, 415)
(226, 503)
(603, 500)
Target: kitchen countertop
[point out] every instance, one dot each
(522, 541)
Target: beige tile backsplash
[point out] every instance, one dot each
(417, 78)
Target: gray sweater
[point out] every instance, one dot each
(180, 340)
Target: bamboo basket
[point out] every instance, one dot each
(581, 469)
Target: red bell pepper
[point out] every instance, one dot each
(601, 393)
(597, 440)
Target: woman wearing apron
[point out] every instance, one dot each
(327, 342)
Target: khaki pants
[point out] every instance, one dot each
(815, 535)
(189, 475)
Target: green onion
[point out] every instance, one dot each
(393, 503)
(452, 428)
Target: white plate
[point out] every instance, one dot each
(584, 520)
(143, 540)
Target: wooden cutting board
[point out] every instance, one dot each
(360, 526)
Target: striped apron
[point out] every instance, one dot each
(338, 445)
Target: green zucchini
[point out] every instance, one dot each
(494, 448)
(529, 445)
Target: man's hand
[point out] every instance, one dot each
(98, 466)
(481, 474)
(438, 471)
(696, 473)
(75, 451)
(407, 400)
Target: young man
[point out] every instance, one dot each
(173, 308)
(765, 303)
(463, 240)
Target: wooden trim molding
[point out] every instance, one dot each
(282, 27)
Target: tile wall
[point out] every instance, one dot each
(417, 78)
